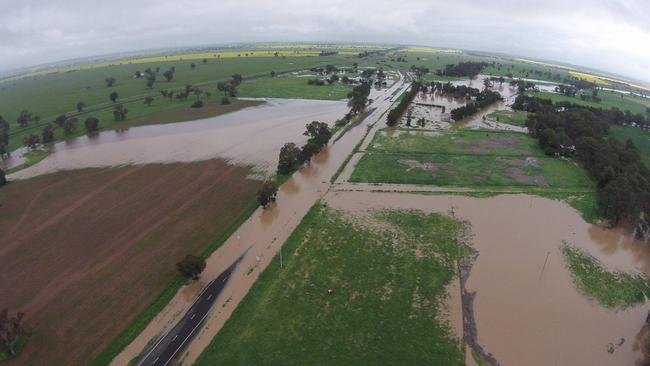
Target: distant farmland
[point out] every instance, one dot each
(84, 252)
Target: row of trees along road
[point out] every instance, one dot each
(565, 129)
(393, 116)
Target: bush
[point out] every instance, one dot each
(197, 104)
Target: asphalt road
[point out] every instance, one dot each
(170, 345)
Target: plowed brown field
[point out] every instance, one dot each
(83, 252)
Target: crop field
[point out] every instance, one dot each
(293, 87)
(640, 138)
(633, 103)
(84, 253)
(388, 279)
(465, 158)
(515, 118)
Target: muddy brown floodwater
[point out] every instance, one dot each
(526, 315)
(252, 136)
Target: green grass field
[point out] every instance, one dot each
(293, 87)
(610, 99)
(640, 138)
(611, 289)
(465, 158)
(386, 302)
(514, 118)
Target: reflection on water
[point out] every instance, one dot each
(252, 136)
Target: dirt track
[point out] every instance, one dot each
(85, 251)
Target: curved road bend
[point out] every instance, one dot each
(169, 346)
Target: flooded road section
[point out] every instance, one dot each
(252, 136)
(264, 233)
(528, 314)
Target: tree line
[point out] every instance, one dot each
(464, 68)
(393, 116)
(483, 99)
(292, 157)
(565, 129)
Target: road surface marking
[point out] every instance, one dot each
(193, 315)
(156, 360)
(209, 297)
(176, 336)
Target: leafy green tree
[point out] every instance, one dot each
(148, 100)
(151, 79)
(289, 158)
(80, 106)
(272, 74)
(193, 66)
(191, 267)
(169, 74)
(308, 150)
(110, 81)
(92, 124)
(31, 141)
(113, 96)
(120, 112)
(48, 134)
(24, 118)
(69, 125)
(267, 193)
(318, 132)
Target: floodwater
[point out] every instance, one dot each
(263, 235)
(528, 313)
(252, 136)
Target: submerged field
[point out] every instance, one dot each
(388, 274)
(85, 252)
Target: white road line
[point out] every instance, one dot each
(156, 360)
(176, 336)
(193, 315)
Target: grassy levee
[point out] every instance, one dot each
(610, 99)
(389, 285)
(640, 138)
(144, 318)
(611, 289)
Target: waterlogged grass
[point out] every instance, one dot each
(640, 138)
(293, 87)
(514, 118)
(457, 142)
(388, 286)
(610, 288)
(586, 203)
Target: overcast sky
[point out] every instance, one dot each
(612, 35)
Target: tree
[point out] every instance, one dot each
(113, 96)
(3, 178)
(237, 79)
(31, 141)
(267, 193)
(191, 267)
(48, 134)
(205, 61)
(148, 100)
(11, 330)
(110, 81)
(120, 112)
(318, 132)
(272, 73)
(92, 124)
(169, 74)
(80, 106)
(308, 150)
(60, 119)
(69, 125)
(193, 66)
(151, 79)
(289, 158)
(24, 118)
